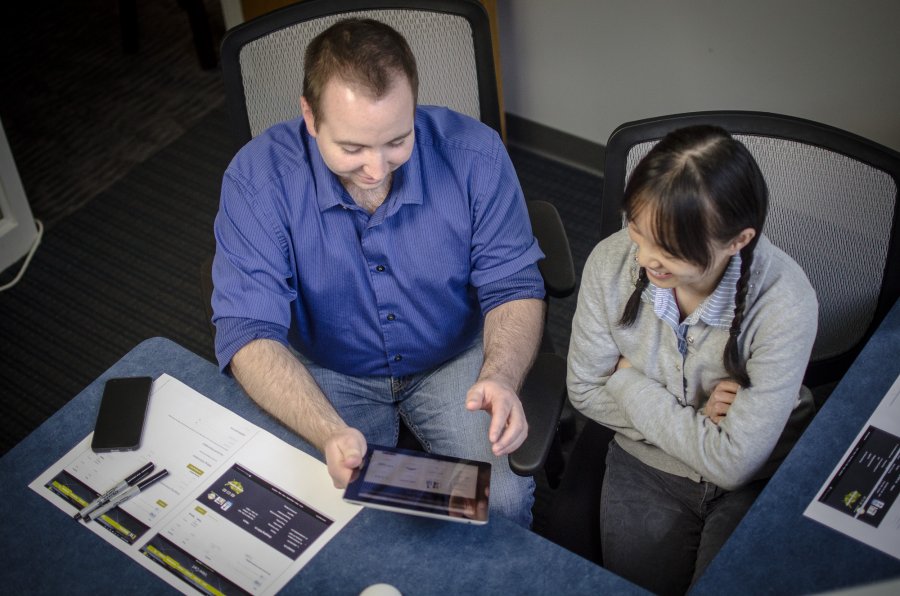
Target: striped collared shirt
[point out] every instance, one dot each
(717, 310)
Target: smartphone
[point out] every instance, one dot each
(120, 419)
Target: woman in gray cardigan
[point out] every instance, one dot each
(690, 340)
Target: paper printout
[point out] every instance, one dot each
(240, 512)
(860, 496)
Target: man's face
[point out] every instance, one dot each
(362, 139)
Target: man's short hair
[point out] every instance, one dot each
(364, 53)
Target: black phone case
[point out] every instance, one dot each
(120, 419)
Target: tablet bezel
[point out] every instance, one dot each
(356, 491)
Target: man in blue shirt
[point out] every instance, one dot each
(375, 260)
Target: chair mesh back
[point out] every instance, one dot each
(833, 215)
(272, 66)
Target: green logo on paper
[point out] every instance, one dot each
(851, 498)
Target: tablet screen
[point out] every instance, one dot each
(422, 484)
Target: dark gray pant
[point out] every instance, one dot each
(660, 531)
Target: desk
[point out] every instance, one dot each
(775, 548)
(45, 551)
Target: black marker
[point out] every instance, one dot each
(118, 488)
(127, 494)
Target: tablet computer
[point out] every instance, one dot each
(421, 483)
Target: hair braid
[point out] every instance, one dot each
(631, 307)
(734, 364)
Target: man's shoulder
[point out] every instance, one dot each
(274, 153)
(444, 128)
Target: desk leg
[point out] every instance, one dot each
(129, 26)
(203, 41)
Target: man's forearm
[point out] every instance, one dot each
(274, 378)
(512, 334)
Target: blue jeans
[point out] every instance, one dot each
(432, 404)
(659, 530)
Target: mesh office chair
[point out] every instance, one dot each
(833, 207)
(262, 65)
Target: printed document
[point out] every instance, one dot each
(859, 498)
(241, 511)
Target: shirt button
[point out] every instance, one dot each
(379, 268)
(391, 317)
(678, 367)
(398, 358)
(690, 339)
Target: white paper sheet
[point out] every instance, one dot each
(240, 512)
(860, 496)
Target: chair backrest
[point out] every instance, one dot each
(262, 60)
(833, 206)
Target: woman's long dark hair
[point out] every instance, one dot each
(703, 188)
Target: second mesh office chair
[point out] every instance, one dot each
(262, 64)
(833, 208)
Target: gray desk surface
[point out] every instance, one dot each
(45, 551)
(775, 549)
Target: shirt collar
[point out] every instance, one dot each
(717, 310)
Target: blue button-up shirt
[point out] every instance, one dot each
(388, 294)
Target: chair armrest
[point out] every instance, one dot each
(557, 268)
(543, 396)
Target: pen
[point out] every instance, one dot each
(123, 496)
(121, 486)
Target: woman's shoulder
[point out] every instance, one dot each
(615, 249)
(612, 258)
(779, 278)
(779, 264)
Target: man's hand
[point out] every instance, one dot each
(344, 453)
(508, 425)
(720, 400)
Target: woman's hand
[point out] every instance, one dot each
(720, 400)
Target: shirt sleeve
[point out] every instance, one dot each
(504, 250)
(251, 296)
(593, 354)
(521, 285)
(233, 333)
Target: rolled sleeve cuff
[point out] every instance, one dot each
(234, 333)
(507, 268)
(522, 284)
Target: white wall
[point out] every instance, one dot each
(585, 66)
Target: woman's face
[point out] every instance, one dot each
(668, 271)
